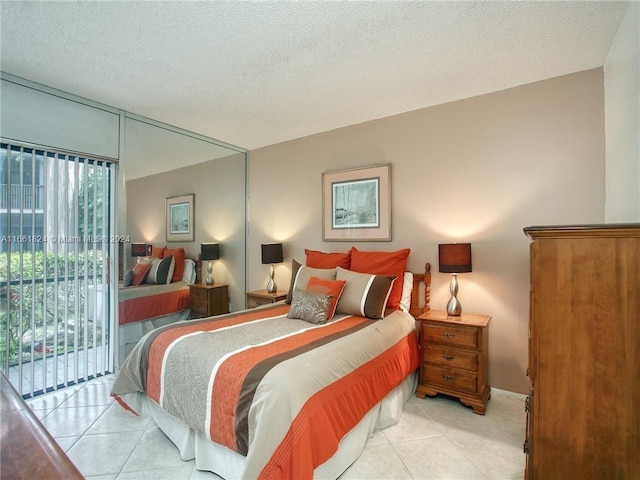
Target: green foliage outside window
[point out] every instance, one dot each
(32, 295)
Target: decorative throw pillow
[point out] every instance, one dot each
(407, 288)
(140, 272)
(364, 295)
(158, 252)
(127, 278)
(300, 276)
(189, 274)
(318, 259)
(383, 263)
(309, 306)
(333, 288)
(179, 256)
(161, 271)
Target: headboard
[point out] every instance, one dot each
(418, 278)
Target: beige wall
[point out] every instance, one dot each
(476, 170)
(219, 188)
(622, 108)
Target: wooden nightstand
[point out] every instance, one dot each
(262, 297)
(209, 300)
(455, 357)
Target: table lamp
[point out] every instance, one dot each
(454, 258)
(209, 252)
(271, 253)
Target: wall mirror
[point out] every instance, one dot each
(160, 162)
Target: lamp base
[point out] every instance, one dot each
(209, 279)
(454, 308)
(271, 286)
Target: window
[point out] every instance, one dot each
(55, 245)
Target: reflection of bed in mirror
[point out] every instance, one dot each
(270, 393)
(163, 161)
(146, 305)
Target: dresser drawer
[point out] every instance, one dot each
(455, 335)
(199, 294)
(253, 302)
(452, 379)
(199, 307)
(451, 357)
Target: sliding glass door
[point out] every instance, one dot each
(56, 246)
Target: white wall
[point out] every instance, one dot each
(219, 188)
(622, 112)
(477, 170)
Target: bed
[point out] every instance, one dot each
(273, 393)
(145, 305)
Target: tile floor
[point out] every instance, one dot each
(437, 438)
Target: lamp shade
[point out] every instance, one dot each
(209, 251)
(454, 257)
(138, 249)
(271, 253)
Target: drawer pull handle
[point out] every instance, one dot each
(448, 378)
(448, 357)
(448, 334)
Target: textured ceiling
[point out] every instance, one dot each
(258, 73)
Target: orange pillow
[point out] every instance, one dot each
(316, 259)
(383, 263)
(158, 252)
(333, 288)
(140, 272)
(178, 256)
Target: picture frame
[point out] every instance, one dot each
(180, 218)
(356, 204)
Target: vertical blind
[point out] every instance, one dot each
(56, 242)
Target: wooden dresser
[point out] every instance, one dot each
(455, 357)
(583, 407)
(209, 300)
(28, 449)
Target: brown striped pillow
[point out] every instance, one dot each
(161, 271)
(301, 274)
(363, 295)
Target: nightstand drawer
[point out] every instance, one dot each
(452, 379)
(256, 302)
(450, 335)
(451, 357)
(200, 295)
(199, 307)
(262, 297)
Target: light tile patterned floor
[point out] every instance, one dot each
(437, 438)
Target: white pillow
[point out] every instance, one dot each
(189, 273)
(407, 288)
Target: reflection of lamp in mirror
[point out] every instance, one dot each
(138, 250)
(271, 253)
(454, 258)
(209, 252)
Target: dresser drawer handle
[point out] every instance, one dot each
(448, 378)
(448, 357)
(448, 334)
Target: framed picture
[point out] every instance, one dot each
(356, 204)
(180, 217)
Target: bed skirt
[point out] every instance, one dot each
(230, 464)
(131, 333)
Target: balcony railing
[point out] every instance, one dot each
(32, 197)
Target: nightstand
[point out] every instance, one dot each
(262, 297)
(209, 300)
(455, 357)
